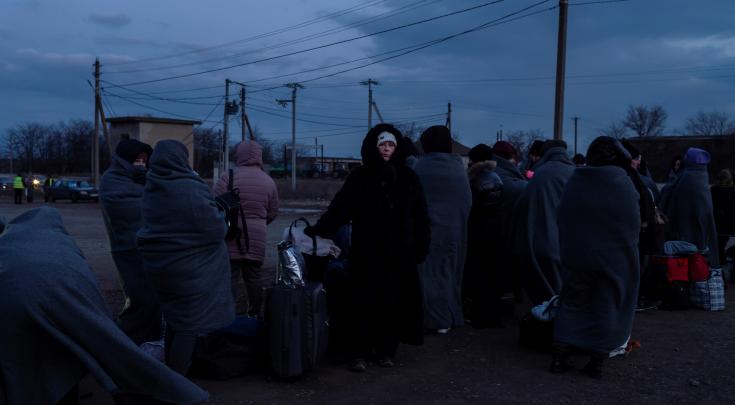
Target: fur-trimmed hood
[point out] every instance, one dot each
(479, 166)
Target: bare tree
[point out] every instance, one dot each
(24, 140)
(645, 121)
(411, 130)
(615, 130)
(523, 139)
(710, 123)
(207, 146)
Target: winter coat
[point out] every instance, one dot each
(121, 200)
(390, 237)
(513, 185)
(599, 221)
(182, 242)
(57, 327)
(537, 234)
(449, 200)
(689, 210)
(484, 241)
(723, 203)
(258, 198)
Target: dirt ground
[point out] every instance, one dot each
(686, 357)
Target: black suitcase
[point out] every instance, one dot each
(298, 328)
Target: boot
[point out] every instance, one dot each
(593, 369)
(560, 360)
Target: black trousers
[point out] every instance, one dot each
(18, 194)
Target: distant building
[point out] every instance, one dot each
(659, 150)
(150, 130)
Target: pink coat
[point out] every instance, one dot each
(258, 197)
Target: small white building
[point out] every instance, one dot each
(150, 130)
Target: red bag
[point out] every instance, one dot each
(698, 268)
(677, 268)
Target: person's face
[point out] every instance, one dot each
(141, 160)
(534, 158)
(677, 165)
(386, 150)
(636, 163)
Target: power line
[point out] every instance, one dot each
(344, 41)
(258, 36)
(383, 16)
(152, 108)
(597, 2)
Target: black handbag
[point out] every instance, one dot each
(229, 203)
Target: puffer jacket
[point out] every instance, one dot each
(258, 197)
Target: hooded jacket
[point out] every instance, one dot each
(258, 198)
(390, 236)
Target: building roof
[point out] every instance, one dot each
(155, 120)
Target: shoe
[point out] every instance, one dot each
(593, 369)
(443, 331)
(358, 366)
(386, 362)
(559, 361)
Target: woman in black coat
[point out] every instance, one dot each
(390, 235)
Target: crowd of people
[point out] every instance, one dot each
(433, 245)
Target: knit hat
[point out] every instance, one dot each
(505, 150)
(437, 139)
(129, 149)
(386, 137)
(535, 148)
(696, 156)
(480, 153)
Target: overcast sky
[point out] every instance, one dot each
(680, 54)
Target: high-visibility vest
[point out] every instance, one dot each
(18, 182)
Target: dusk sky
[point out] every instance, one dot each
(676, 53)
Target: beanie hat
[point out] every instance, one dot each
(480, 153)
(386, 137)
(696, 156)
(129, 149)
(535, 148)
(437, 139)
(505, 150)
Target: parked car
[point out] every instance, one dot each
(6, 183)
(74, 190)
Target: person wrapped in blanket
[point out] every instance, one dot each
(390, 237)
(58, 328)
(184, 252)
(599, 224)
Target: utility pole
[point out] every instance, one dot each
(96, 139)
(243, 119)
(576, 120)
(561, 59)
(294, 87)
(499, 134)
(377, 111)
(224, 161)
(449, 117)
(370, 83)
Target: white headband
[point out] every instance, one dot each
(386, 137)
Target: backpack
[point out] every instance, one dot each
(229, 203)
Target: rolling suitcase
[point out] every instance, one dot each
(297, 328)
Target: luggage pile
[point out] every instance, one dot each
(682, 279)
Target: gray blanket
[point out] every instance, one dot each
(513, 185)
(689, 209)
(449, 200)
(121, 200)
(599, 222)
(537, 235)
(57, 327)
(182, 243)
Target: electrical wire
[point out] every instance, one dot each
(344, 41)
(259, 36)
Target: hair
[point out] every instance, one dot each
(724, 178)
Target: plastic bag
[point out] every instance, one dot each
(291, 265)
